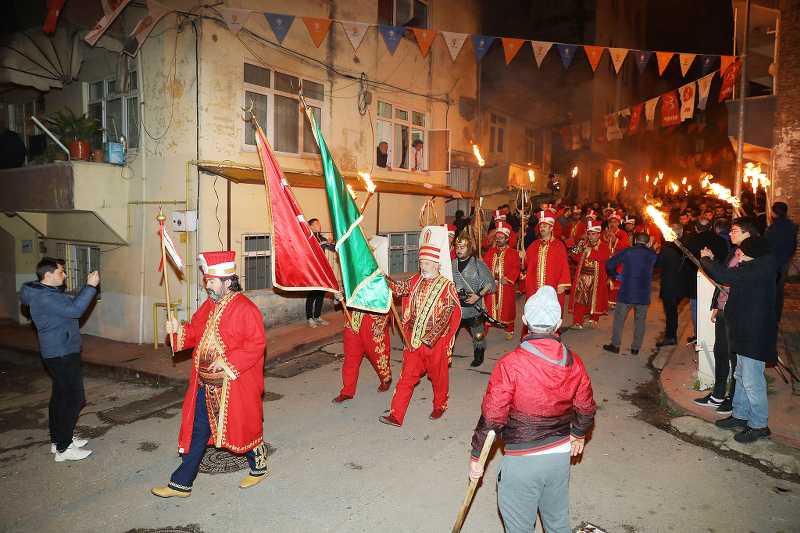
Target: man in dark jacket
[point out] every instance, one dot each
(751, 315)
(56, 315)
(782, 236)
(539, 401)
(672, 264)
(637, 277)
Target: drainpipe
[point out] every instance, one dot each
(143, 156)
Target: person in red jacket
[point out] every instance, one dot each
(504, 264)
(539, 402)
(223, 404)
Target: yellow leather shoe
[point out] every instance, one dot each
(252, 481)
(169, 492)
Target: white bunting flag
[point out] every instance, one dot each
(540, 49)
(355, 31)
(235, 18)
(111, 8)
(687, 93)
(704, 84)
(618, 56)
(686, 62)
(454, 42)
(650, 112)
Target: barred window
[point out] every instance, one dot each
(257, 256)
(403, 252)
(79, 261)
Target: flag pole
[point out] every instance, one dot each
(161, 218)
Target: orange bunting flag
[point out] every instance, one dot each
(317, 29)
(686, 62)
(663, 59)
(510, 47)
(725, 62)
(424, 39)
(618, 56)
(729, 80)
(593, 54)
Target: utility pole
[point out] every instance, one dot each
(737, 185)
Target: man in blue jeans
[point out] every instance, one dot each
(751, 315)
(56, 316)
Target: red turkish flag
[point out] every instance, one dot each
(670, 109)
(729, 80)
(636, 118)
(298, 262)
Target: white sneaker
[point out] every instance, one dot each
(312, 323)
(76, 443)
(72, 454)
(321, 322)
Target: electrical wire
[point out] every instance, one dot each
(171, 79)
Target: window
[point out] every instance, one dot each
(402, 138)
(17, 118)
(458, 178)
(403, 13)
(79, 261)
(116, 109)
(257, 262)
(403, 252)
(530, 146)
(497, 133)
(277, 108)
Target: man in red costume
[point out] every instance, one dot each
(431, 316)
(365, 334)
(504, 264)
(546, 260)
(579, 230)
(590, 289)
(222, 405)
(617, 240)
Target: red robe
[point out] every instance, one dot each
(505, 267)
(546, 264)
(652, 230)
(488, 241)
(232, 330)
(574, 232)
(616, 243)
(590, 288)
(431, 316)
(365, 334)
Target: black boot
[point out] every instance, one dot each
(477, 359)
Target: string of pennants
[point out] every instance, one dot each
(677, 106)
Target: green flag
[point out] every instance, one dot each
(365, 287)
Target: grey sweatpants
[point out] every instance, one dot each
(640, 319)
(530, 482)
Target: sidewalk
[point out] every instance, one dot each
(131, 360)
(678, 378)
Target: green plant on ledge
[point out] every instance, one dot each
(76, 131)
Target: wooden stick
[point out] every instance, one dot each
(164, 266)
(473, 483)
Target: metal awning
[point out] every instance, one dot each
(241, 173)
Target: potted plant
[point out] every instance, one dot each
(75, 131)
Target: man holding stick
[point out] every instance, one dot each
(539, 401)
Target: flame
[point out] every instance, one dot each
(689, 188)
(673, 186)
(723, 193)
(658, 219)
(684, 180)
(616, 172)
(756, 178)
(478, 156)
(660, 175)
(351, 191)
(367, 181)
(574, 171)
(706, 181)
(647, 178)
(624, 182)
(531, 175)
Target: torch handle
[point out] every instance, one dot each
(697, 263)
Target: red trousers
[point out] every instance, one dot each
(356, 346)
(580, 311)
(416, 364)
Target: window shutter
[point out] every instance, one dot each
(439, 150)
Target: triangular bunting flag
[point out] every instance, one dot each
(650, 111)
(729, 79)
(670, 109)
(424, 39)
(663, 59)
(317, 29)
(593, 54)
(704, 85)
(687, 93)
(642, 59)
(110, 12)
(280, 24)
(391, 36)
(540, 49)
(355, 31)
(686, 62)
(725, 62)
(636, 119)
(567, 52)
(234, 18)
(481, 43)
(618, 56)
(155, 12)
(511, 47)
(709, 63)
(454, 42)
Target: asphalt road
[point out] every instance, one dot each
(336, 468)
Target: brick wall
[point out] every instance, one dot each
(787, 118)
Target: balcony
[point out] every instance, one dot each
(72, 201)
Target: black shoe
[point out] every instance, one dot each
(672, 341)
(732, 423)
(611, 348)
(726, 407)
(691, 340)
(708, 401)
(634, 351)
(751, 435)
(477, 359)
